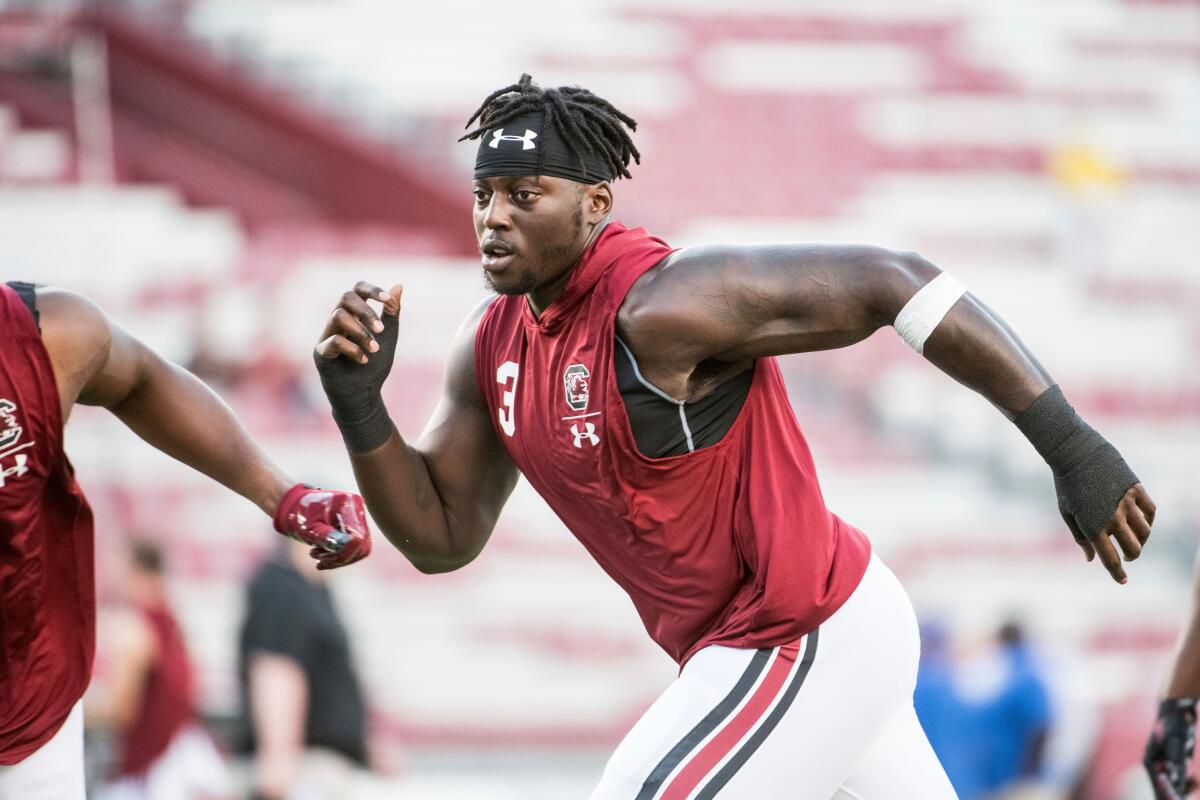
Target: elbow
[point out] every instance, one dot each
(906, 271)
(439, 565)
(898, 276)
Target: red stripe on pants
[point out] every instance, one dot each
(719, 746)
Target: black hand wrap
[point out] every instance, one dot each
(1089, 474)
(354, 389)
(1169, 750)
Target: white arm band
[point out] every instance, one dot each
(925, 310)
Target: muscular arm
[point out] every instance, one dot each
(728, 304)
(708, 312)
(1183, 679)
(98, 363)
(437, 501)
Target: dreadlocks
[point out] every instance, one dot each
(589, 124)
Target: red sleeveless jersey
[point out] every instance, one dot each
(166, 702)
(730, 544)
(47, 596)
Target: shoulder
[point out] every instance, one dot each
(77, 335)
(277, 594)
(662, 303)
(72, 321)
(460, 369)
(470, 324)
(276, 572)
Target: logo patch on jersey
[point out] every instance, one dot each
(587, 434)
(10, 428)
(10, 446)
(575, 384)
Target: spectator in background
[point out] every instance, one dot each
(988, 719)
(943, 715)
(1010, 717)
(303, 715)
(1019, 717)
(162, 752)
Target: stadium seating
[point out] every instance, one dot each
(1055, 172)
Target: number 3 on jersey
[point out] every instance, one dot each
(508, 372)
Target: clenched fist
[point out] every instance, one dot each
(334, 523)
(353, 358)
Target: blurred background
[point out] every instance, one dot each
(216, 172)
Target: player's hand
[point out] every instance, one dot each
(1123, 534)
(1169, 750)
(354, 357)
(354, 329)
(334, 523)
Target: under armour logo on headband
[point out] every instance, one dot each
(526, 140)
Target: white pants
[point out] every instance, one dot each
(829, 717)
(52, 772)
(191, 768)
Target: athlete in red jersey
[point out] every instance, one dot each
(147, 698)
(636, 389)
(60, 349)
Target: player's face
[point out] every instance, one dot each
(532, 229)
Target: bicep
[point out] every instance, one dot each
(467, 463)
(733, 303)
(125, 367)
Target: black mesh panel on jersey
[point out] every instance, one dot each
(28, 294)
(661, 425)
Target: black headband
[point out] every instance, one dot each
(527, 146)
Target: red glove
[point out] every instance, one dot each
(334, 523)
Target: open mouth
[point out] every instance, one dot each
(496, 254)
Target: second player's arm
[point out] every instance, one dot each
(437, 500)
(98, 363)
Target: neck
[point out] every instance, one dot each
(541, 298)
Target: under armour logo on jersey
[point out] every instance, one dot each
(20, 467)
(526, 140)
(587, 434)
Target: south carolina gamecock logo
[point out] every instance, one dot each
(10, 444)
(10, 426)
(575, 384)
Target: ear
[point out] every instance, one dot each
(597, 201)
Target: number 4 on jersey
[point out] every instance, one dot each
(507, 372)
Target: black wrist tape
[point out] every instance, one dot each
(368, 428)
(1058, 434)
(1090, 476)
(1177, 705)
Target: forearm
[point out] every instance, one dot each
(402, 496)
(972, 344)
(1183, 678)
(178, 414)
(1099, 496)
(279, 707)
